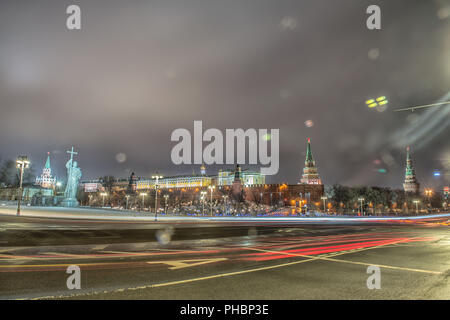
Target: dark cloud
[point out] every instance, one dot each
(140, 69)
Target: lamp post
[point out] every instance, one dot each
(203, 193)
(103, 194)
(126, 205)
(156, 194)
(212, 189)
(361, 200)
(225, 203)
(166, 196)
(324, 203)
(143, 194)
(301, 201)
(428, 193)
(57, 186)
(22, 163)
(417, 206)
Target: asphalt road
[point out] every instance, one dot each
(223, 260)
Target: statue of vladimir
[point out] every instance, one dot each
(73, 177)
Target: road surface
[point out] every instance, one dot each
(232, 259)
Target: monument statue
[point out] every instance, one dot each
(73, 177)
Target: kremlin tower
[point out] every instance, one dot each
(310, 175)
(203, 170)
(410, 184)
(46, 180)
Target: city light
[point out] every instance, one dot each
(22, 163)
(103, 194)
(380, 101)
(156, 177)
(416, 202)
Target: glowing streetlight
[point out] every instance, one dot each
(225, 197)
(361, 200)
(156, 194)
(212, 189)
(428, 193)
(417, 206)
(143, 194)
(22, 163)
(126, 205)
(58, 185)
(103, 194)
(324, 203)
(380, 101)
(203, 193)
(166, 196)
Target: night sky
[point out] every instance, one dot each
(137, 70)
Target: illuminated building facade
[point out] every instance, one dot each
(248, 178)
(187, 181)
(410, 184)
(223, 178)
(46, 180)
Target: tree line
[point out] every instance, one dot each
(344, 199)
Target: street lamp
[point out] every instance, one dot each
(324, 198)
(417, 206)
(361, 200)
(212, 189)
(428, 193)
(57, 186)
(22, 163)
(126, 205)
(166, 196)
(103, 194)
(156, 194)
(225, 202)
(203, 193)
(143, 194)
(301, 200)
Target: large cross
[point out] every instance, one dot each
(71, 153)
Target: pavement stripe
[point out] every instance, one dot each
(165, 284)
(326, 258)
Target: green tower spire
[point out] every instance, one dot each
(310, 175)
(309, 156)
(47, 163)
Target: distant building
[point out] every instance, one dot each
(46, 180)
(410, 184)
(248, 178)
(181, 181)
(310, 174)
(223, 178)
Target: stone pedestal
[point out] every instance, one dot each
(70, 202)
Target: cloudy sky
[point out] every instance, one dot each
(137, 70)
